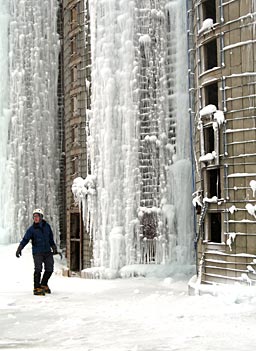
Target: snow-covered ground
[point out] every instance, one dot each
(137, 314)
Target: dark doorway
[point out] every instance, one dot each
(75, 256)
(75, 242)
(215, 227)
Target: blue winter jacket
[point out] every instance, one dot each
(41, 236)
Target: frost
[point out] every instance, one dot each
(145, 39)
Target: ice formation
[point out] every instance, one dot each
(231, 239)
(4, 114)
(28, 112)
(139, 142)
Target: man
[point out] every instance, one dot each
(43, 249)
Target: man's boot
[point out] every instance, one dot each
(37, 287)
(44, 282)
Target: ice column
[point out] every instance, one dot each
(179, 177)
(113, 140)
(139, 137)
(32, 173)
(4, 116)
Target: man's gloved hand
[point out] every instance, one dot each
(54, 250)
(18, 252)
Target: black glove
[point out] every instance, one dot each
(54, 250)
(18, 252)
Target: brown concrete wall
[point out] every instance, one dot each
(236, 80)
(76, 102)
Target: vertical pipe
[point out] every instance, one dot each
(191, 107)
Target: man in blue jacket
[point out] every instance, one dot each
(43, 249)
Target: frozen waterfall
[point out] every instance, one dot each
(139, 202)
(4, 113)
(28, 111)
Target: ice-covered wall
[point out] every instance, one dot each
(139, 142)
(4, 112)
(31, 172)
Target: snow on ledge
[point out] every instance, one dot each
(207, 110)
(213, 199)
(208, 157)
(212, 110)
(232, 209)
(207, 24)
(251, 209)
(237, 175)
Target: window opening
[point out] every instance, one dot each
(73, 44)
(74, 105)
(209, 10)
(75, 134)
(73, 17)
(211, 94)
(74, 74)
(215, 227)
(209, 145)
(75, 165)
(210, 54)
(75, 225)
(214, 189)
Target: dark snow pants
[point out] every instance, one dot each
(39, 260)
